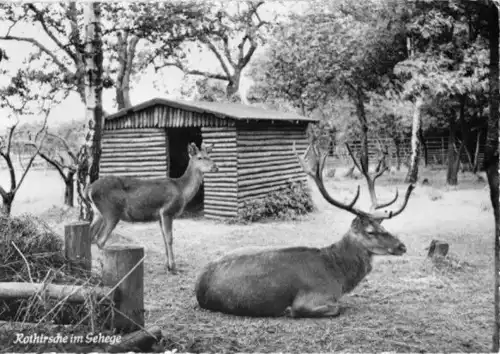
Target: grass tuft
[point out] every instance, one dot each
(450, 264)
(30, 252)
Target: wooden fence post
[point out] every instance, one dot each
(77, 245)
(118, 262)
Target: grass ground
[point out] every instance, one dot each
(406, 304)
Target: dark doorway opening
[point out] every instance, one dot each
(178, 140)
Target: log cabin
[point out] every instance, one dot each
(252, 148)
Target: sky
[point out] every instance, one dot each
(147, 85)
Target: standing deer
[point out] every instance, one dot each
(141, 200)
(300, 281)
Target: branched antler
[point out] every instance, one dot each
(370, 181)
(313, 163)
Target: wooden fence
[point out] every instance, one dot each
(437, 151)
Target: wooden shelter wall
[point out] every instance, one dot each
(266, 161)
(135, 153)
(220, 199)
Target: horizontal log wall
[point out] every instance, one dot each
(220, 199)
(161, 116)
(266, 162)
(135, 153)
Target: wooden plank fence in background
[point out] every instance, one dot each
(437, 151)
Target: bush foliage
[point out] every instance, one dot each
(285, 204)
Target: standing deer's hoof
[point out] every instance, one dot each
(288, 312)
(172, 269)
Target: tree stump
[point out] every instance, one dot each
(77, 245)
(438, 249)
(141, 341)
(118, 260)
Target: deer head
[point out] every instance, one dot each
(366, 228)
(200, 158)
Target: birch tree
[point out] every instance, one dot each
(91, 150)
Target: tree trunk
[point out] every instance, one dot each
(465, 133)
(69, 189)
(453, 154)
(360, 109)
(93, 91)
(424, 146)
(451, 173)
(126, 54)
(476, 152)
(412, 175)
(397, 145)
(491, 159)
(7, 202)
(233, 86)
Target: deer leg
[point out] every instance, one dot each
(314, 305)
(96, 226)
(109, 226)
(166, 222)
(164, 238)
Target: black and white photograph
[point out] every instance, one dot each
(250, 176)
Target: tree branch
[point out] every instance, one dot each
(52, 162)
(75, 33)
(3, 193)
(66, 146)
(194, 72)
(10, 166)
(41, 47)
(30, 162)
(245, 59)
(9, 139)
(214, 50)
(49, 33)
(208, 75)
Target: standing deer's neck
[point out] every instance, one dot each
(190, 181)
(351, 258)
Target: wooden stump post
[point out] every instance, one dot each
(118, 260)
(77, 245)
(438, 249)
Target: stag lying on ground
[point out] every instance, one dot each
(144, 200)
(300, 281)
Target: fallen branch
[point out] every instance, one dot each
(74, 293)
(138, 341)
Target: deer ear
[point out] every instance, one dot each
(207, 147)
(192, 149)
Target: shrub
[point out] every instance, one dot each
(287, 203)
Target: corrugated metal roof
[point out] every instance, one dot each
(221, 110)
